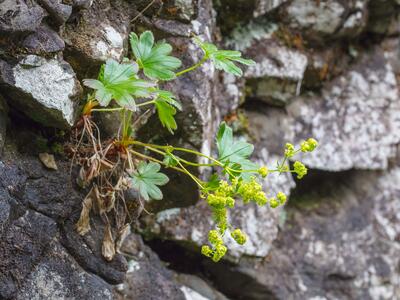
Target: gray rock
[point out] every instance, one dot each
(20, 16)
(34, 265)
(323, 17)
(356, 120)
(82, 3)
(58, 11)
(59, 276)
(327, 19)
(44, 89)
(182, 10)
(346, 248)
(277, 76)
(43, 40)
(232, 14)
(3, 121)
(16, 242)
(383, 15)
(198, 285)
(147, 277)
(100, 32)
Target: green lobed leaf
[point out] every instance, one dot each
(169, 160)
(166, 114)
(154, 59)
(224, 59)
(146, 179)
(168, 97)
(119, 82)
(234, 153)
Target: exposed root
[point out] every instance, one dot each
(103, 171)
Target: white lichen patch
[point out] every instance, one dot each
(356, 121)
(167, 214)
(45, 284)
(292, 65)
(324, 17)
(191, 294)
(50, 83)
(242, 37)
(111, 44)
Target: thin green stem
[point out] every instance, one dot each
(182, 169)
(146, 103)
(195, 66)
(107, 109)
(178, 158)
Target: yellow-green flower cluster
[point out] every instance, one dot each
(299, 169)
(222, 196)
(289, 150)
(239, 236)
(219, 249)
(252, 191)
(309, 145)
(280, 199)
(263, 171)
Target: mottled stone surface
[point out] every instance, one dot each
(276, 78)
(20, 16)
(58, 11)
(319, 20)
(100, 32)
(44, 40)
(3, 122)
(44, 89)
(356, 119)
(38, 259)
(147, 277)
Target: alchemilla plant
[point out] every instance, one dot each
(109, 168)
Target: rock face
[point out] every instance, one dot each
(35, 264)
(46, 89)
(368, 91)
(20, 16)
(326, 69)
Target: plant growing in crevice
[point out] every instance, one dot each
(110, 167)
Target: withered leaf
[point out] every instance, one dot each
(122, 234)
(108, 248)
(48, 161)
(83, 224)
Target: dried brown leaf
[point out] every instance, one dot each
(122, 234)
(83, 224)
(108, 248)
(48, 161)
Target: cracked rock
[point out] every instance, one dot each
(356, 120)
(20, 16)
(147, 277)
(276, 78)
(101, 32)
(58, 11)
(326, 19)
(58, 276)
(3, 122)
(44, 89)
(44, 40)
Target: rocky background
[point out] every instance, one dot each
(326, 68)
